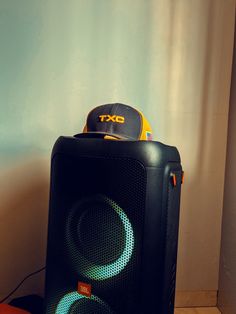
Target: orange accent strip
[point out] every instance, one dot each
(182, 180)
(174, 180)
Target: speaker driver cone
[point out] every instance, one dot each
(99, 238)
(101, 235)
(75, 303)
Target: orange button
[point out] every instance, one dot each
(174, 179)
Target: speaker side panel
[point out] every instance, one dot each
(161, 238)
(171, 205)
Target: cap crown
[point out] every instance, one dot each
(118, 120)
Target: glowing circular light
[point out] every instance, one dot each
(69, 299)
(102, 272)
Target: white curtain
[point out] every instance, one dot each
(170, 59)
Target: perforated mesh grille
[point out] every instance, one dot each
(87, 306)
(72, 303)
(99, 238)
(108, 232)
(96, 223)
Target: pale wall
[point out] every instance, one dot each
(227, 278)
(59, 59)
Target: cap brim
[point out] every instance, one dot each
(102, 135)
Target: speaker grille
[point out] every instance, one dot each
(96, 220)
(73, 303)
(86, 306)
(108, 232)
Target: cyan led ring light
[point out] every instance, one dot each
(102, 272)
(69, 299)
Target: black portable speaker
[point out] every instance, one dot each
(113, 227)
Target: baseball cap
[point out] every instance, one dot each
(118, 121)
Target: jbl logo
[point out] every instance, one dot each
(113, 118)
(84, 289)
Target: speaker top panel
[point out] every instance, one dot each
(149, 153)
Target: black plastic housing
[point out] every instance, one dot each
(144, 181)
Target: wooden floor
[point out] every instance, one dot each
(197, 310)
